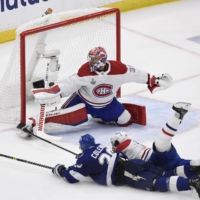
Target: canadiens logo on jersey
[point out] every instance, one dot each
(103, 90)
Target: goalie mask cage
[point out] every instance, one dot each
(73, 33)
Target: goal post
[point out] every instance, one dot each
(73, 33)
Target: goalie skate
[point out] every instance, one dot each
(181, 109)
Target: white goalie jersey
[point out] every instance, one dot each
(99, 88)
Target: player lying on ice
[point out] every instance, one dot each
(104, 167)
(93, 91)
(163, 154)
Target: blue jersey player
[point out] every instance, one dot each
(107, 168)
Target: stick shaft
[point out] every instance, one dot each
(53, 144)
(25, 161)
(20, 126)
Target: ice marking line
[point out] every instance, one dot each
(161, 41)
(190, 77)
(8, 129)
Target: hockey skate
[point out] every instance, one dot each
(195, 169)
(181, 109)
(195, 183)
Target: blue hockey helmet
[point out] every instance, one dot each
(86, 142)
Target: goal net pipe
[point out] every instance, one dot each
(53, 26)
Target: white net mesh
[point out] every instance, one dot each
(74, 42)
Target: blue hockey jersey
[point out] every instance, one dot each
(98, 163)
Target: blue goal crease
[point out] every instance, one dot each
(157, 113)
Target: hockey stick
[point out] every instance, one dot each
(25, 161)
(32, 134)
(40, 126)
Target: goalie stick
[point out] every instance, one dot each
(40, 126)
(32, 134)
(41, 120)
(25, 161)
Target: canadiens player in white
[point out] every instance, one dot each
(163, 154)
(93, 91)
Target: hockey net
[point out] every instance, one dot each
(73, 33)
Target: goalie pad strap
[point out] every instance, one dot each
(138, 113)
(74, 115)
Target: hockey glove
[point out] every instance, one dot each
(49, 96)
(58, 169)
(78, 155)
(157, 83)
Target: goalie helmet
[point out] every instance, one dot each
(97, 58)
(86, 142)
(118, 138)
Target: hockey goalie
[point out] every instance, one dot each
(92, 90)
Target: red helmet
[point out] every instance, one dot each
(97, 57)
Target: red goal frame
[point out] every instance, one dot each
(23, 35)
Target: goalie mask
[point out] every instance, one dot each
(118, 138)
(97, 58)
(86, 142)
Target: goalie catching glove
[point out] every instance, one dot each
(49, 96)
(157, 83)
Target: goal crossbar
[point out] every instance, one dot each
(53, 26)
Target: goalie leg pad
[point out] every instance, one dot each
(138, 113)
(73, 116)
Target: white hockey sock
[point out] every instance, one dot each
(195, 162)
(163, 140)
(173, 183)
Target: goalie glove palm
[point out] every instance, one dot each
(160, 82)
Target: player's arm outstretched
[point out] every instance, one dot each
(161, 82)
(154, 83)
(70, 173)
